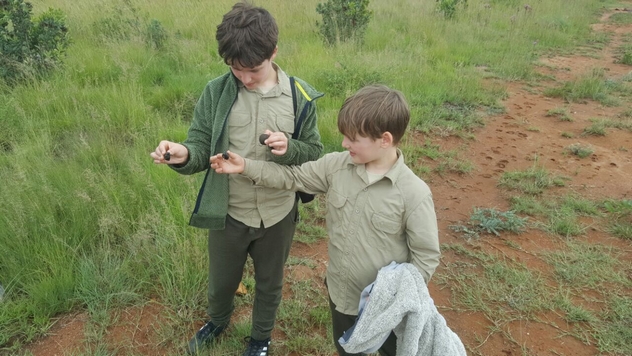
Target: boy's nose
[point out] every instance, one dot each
(245, 78)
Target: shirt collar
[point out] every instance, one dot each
(284, 80)
(283, 86)
(395, 171)
(392, 174)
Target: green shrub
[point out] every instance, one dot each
(491, 221)
(626, 58)
(156, 35)
(345, 80)
(579, 150)
(448, 7)
(30, 47)
(343, 20)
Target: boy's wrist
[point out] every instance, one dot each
(249, 166)
(243, 168)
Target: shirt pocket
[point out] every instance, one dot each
(239, 118)
(239, 134)
(387, 231)
(284, 123)
(336, 199)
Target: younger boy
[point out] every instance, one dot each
(235, 109)
(378, 210)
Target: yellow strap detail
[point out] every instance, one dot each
(302, 91)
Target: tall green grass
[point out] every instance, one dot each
(88, 222)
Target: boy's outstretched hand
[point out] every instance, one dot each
(233, 164)
(170, 153)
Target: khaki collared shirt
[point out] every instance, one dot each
(251, 115)
(369, 224)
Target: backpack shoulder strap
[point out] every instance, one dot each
(293, 86)
(298, 118)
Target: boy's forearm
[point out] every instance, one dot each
(423, 238)
(269, 175)
(310, 177)
(426, 261)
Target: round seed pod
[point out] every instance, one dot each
(225, 155)
(263, 138)
(167, 156)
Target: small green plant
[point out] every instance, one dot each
(615, 335)
(448, 7)
(310, 228)
(532, 181)
(343, 20)
(30, 47)
(579, 150)
(626, 114)
(621, 18)
(567, 134)
(491, 221)
(121, 22)
(621, 230)
(598, 128)
(345, 80)
(556, 112)
(593, 85)
(583, 264)
(560, 113)
(564, 223)
(618, 207)
(620, 216)
(626, 58)
(528, 205)
(155, 35)
(573, 313)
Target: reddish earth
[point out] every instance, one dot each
(508, 142)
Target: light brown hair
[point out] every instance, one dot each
(372, 111)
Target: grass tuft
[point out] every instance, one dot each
(579, 150)
(534, 180)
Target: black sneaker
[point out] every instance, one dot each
(204, 337)
(257, 347)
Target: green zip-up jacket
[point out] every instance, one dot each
(208, 136)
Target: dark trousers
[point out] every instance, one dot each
(342, 322)
(228, 250)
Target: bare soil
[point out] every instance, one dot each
(511, 141)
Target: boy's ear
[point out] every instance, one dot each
(273, 56)
(387, 139)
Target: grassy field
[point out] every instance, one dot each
(88, 222)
